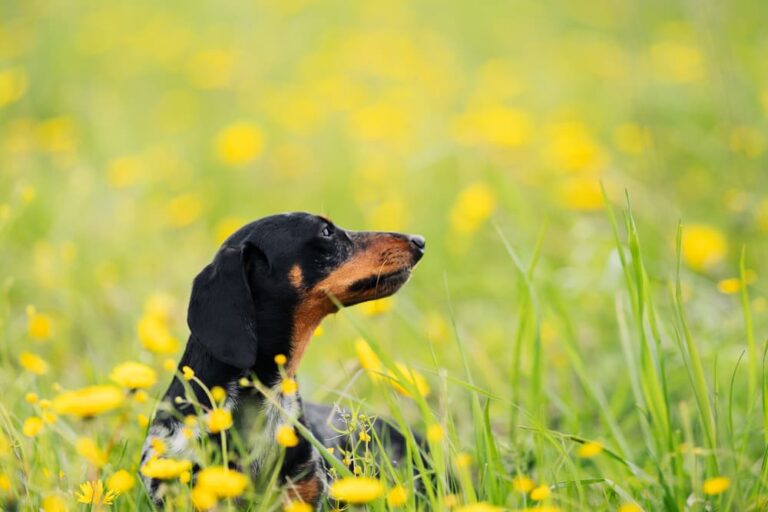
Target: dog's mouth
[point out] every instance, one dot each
(377, 286)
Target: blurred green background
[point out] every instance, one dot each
(135, 136)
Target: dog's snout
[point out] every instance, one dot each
(418, 241)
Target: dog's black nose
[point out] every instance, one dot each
(418, 241)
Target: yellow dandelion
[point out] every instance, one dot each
(39, 325)
(239, 143)
(435, 433)
(356, 490)
(364, 436)
(589, 450)
(377, 307)
(286, 436)
(89, 450)
(478, 507)
(397, 496)
(203, 499)
(244, 382)
(367, 357)
(280, 359)
(33, 363)
(412, 377)
(218, 393)
(580, 193)
(32, 426)
(89, 401)
(13, 85)
(495, 126)
(185, 477)
(716, 485)
(298, 506)
(140, 396)
(48, 417)
(223, 482)
(183, 209)
(142, 420)
(169, 365)
(540, 493)
(523, 484)
(54, 503)
(630, 507)
(121, 481)
(462, 460)
(319, 331)
(218, 419)
(165, 469)
(133, 375)
(289, 386)
(123, 171)
(158, 446)
(187, 372)
(5, 482)
(703, 246)
(472, 208)
(31, 398)
(93, 493)
(226, 227)
(187, 432)
(572, 147)
(155, 336)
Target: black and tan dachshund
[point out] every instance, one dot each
(266, 291)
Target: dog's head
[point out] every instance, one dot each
(284, 273)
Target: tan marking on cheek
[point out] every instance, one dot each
(307, 490)
(296, 276)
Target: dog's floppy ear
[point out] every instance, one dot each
(222, 314)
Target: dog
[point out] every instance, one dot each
(266, 291)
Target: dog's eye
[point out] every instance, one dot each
(327, 231)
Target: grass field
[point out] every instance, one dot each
(584, 348)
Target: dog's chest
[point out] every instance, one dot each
(258, 420)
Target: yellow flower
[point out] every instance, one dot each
(319, 331)
(158, 446)
(356, 490)
(13, 84)
(496, 126)
(397, 496)
(155, 336)
(89, 401)
(435, 433)
(165, 469)
(140, 396)
(123, 171)
(523, 484)
(474, 205)
(280, 359)
(31, 398)
(479, 507)
(630, 507)
(412, 377)
(169, 365)
(49, 417)
(367, 357)
(286, 436)
(364, 436)
(187, 372)
(56, 134)
(541, 492)
(733, 284)
(289, 386)
(573, 148)
(716, 485)
(92, 493)
(677, 62)
(463, 460)
(218, 419)
(133, 375)
(298, 506)
(87, 448)
(183, 209)
(239, 143)
(377, 307)
(54, 504)
(38, 324)
(589, 450)
(185, 477)
(703, 246)
(203, 499)
(32, 426)
(580, 193)
(223, 482)
(218, 393)
(33, 363)
(121, 481)
(5, 482)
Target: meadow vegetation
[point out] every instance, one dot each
(587, 330)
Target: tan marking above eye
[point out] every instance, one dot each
(296, 276)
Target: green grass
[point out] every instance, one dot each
(589, 178)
